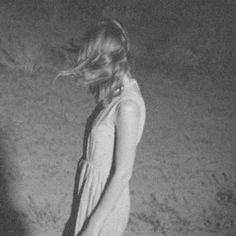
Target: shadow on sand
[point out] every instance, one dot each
(11, 221)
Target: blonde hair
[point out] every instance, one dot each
(103, 60)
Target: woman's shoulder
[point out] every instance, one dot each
(129, 102)
(133, 93)
(127, 106)
(127, 111)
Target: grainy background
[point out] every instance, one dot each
(184, 180)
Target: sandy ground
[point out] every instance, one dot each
(184, 179)
(184, 176)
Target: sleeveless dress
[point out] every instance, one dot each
(96, 168)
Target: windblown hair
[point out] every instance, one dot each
(103, 60)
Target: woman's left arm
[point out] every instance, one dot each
(127, 119)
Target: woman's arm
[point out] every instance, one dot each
(127, 119)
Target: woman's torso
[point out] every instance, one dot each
(101, 140)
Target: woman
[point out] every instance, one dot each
(105, 171)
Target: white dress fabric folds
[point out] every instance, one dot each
(96, 168)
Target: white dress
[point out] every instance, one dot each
(95, 169)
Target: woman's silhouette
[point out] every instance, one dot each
(101, 197)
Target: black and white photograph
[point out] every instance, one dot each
(117, 118)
